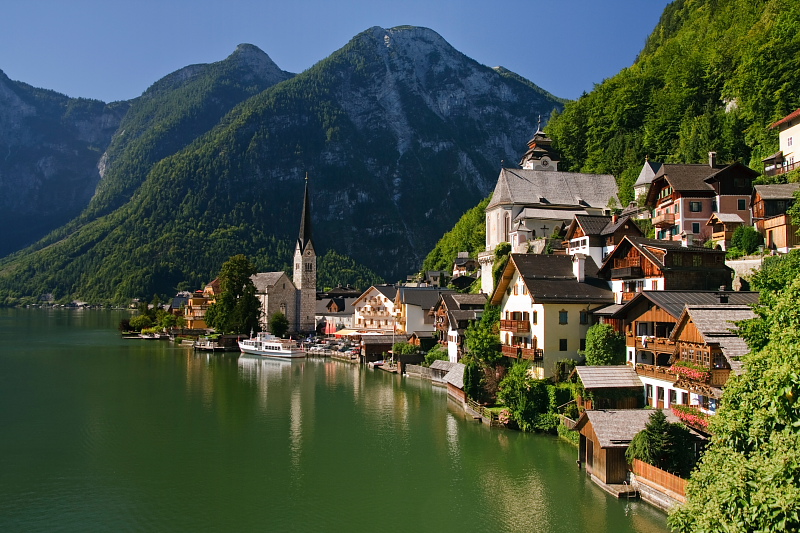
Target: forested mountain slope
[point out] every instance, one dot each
(711, 77)
(398, 132)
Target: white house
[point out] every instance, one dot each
(374, 310)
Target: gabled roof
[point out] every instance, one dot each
(267, 280)
(725, 218)
(598, 225)
(456, 376)
(608, 377)
(779, 191)
(550, 278)
(646, 246)
(615, 428)
(791, 116)
(553, 188)
(716, 324)
(696, 179)
(424, 297)
(389, 291)
(673, 302)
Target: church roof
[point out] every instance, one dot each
(547, 188)
(648, 172)
(266, 280)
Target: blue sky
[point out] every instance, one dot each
(113, 50)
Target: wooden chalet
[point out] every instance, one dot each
(770, 204)
(452, 314)
(722, 227)
(639, 264)
(705, 336)
(597, 235)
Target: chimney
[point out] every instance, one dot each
(712, 159)
(579, 266)
(614, 218)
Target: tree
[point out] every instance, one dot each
(278, 324)
(749, 476)
(604, 346)
(140, 322)
(437, 353)
(663, 444)
(404, 348)
(746, 239)
(526, 398)
(237, 309)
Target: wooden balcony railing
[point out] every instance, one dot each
(631, 272)
(664, 220)
(659, 344)
(531, 354)
(783, 169)
(656, 372)
(515, 326)
(628, 262)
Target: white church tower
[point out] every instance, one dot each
(305, 271)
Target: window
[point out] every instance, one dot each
(695, 207)
(582, 344)
(516, 290)
(697, 260)
(789, 141)
(309, 267)
(673, 396)
(563, 317)
(562, 345)
(584, 318)
(677, 260)
(695, 227)
(742, 204)
(524, 289)
(654, 285)
(535, 317)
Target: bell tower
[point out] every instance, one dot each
(305, 271)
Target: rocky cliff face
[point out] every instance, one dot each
(50, 146)
(399, 133)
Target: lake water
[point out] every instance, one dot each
(98, 433)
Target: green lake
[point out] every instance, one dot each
(104, 434)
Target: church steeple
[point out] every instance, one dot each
(305, 222)
(305, 270)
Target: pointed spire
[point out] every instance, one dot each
(305, 221)
(539, 124)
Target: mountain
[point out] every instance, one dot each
(50, 146)
(712, 76)
(398, 132)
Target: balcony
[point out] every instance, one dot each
(656, 372)
(531, 354)
(631, 272)
(659, 344)
(664, 220)
(782, 169)
(515, 326)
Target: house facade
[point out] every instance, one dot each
(374, 311)
(597, 236)
(770, 204)
(787, 159)
(452, 314)
(683, 198)
(545, 307)
(638, 264)
(412, 308)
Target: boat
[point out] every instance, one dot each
(268, 345)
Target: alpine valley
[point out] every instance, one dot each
(398, 132)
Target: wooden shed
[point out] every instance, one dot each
(605, 436)
(610, 387)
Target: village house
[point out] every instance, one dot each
(723, 225)
(770, 204)
(334, 314)
(546, 303)
(528, 204)
(464, 265)
(195, 310)
(412, 306)
(786, 159)
(683, 198)
(452, 315)
(638, 264)
(597, 236)
(705, 338)
(374, 310)
(648, 322)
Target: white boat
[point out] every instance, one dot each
(268, 345)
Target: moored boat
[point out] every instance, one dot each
(268, 345)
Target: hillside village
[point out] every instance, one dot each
(562, 256)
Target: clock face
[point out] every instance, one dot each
(308, 252)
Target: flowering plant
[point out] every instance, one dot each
(691, 371)
(504, 417)
(691, 416)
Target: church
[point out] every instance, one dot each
(296, 298)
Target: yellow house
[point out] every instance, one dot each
(545, 307)
(196, 307)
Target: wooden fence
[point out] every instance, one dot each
(659, 477)
(481, 410)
